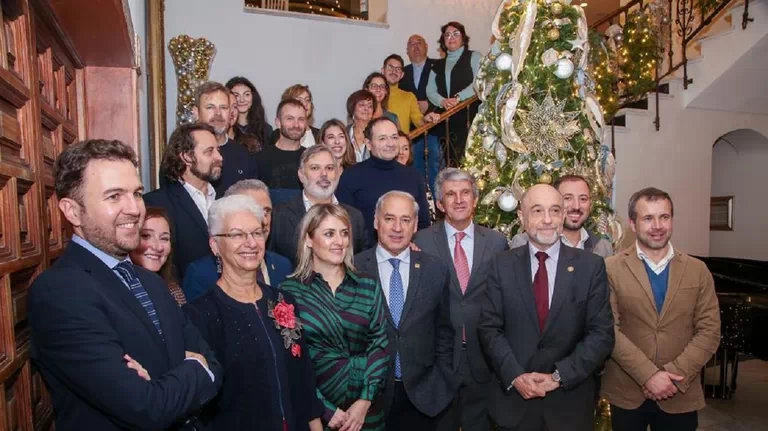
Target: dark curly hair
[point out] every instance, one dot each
(458, 26)
(72, 162)
(181, 142)
(256, 115)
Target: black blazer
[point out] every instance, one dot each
(576, 340)
(465, 308)
(424, 337)
(284, 236)
(84, 319)
(239, 164)
(190, 239)
(406, 84)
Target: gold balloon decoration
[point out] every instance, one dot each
(553, 34)
(192, 59)
(545, 178)
(556, 8)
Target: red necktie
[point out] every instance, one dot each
(460, 262)
(541, 289)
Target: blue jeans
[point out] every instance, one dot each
(434, 158)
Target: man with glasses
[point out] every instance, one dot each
(403, 103)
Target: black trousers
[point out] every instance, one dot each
(649, 413)
(404, 416)
(469, 409)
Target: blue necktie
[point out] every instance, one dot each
(396, 302)
(128, 273)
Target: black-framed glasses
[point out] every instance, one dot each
(373, 87)
(397, 69)
(240, 236)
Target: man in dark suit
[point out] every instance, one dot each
(201, 275)
(546, 324)
(191, 162)
(101, 327)
(319, 174)
(213, 108)
(415, 285)
(415, 79)
(469, 248)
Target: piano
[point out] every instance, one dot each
(742, 290)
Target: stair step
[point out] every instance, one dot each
(635, 111)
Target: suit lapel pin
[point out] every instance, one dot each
(417, 265)
(240, 171)
(570, 269)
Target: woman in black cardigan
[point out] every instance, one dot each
(269, 381)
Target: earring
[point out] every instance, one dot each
(218, 264)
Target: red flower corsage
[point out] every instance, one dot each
(287, 323)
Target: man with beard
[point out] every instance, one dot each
(101, 327)
(278, 163)
(213, 108)
(667, 324)
(468, 247)
(319, 174)
(191, 162)
(546, 324)
(578, 206)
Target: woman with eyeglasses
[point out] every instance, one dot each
(255, 331)
(301, 93)
(344, 317)
(450, 83)
(376, 83)
(360, 108)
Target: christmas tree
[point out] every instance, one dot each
(539, 118)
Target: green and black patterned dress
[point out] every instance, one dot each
(347, 338)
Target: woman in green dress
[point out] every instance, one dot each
(344, 321)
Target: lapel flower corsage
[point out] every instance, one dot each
(287, 323)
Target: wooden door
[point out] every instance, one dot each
(41, 105)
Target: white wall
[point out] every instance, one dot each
(740, 171)
(678, 160)
(333, 58)
(139, 19)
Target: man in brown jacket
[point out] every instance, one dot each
(667, 323)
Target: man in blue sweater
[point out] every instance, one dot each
(362, 184)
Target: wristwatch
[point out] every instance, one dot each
(556, 377)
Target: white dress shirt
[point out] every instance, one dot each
(584, 236)
(386, 269)
(202, 201)
(468, 243)
(308, 140)
(657, 268)
(551, 264)
(308, 204)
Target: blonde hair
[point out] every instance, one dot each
(309, 224)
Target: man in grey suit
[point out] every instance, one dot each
(415, 285)
(578, 206)
(469, 248)
(546, 324)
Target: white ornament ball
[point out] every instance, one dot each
(504, 61)
(507, 202)
(564, 68)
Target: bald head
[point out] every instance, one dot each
(541, 215)
(417, 49)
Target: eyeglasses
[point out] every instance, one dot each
(455, 34)
(397, 69)
(240, 237)
(374, 87)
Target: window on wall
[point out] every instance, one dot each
(359, 10)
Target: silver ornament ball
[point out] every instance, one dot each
(564, 68)
(504, 61)
(507, 202)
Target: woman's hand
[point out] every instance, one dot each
(356, 415)
(449, 102)
(432, 117)
(338, 419)
(134, 365)
(315, 425)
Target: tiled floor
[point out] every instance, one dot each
(747, 410)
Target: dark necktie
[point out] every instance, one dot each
(541, 289)
(128, 274)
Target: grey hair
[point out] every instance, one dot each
(397, 193)
(243, 186)
(313, 151)
(454, 174)
(228, 205)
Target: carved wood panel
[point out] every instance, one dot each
(40, 81)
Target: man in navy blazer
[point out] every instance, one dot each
(115, 350)
(191, 162)
(202, 274)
